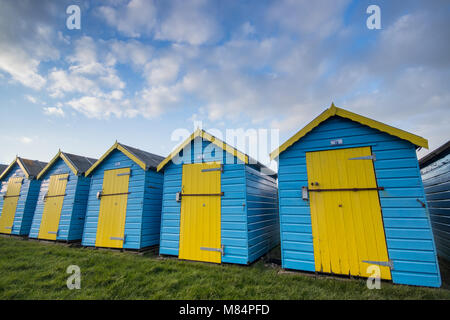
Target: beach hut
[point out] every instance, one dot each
(62, 200)
(124, 204)
(18, 195)
(352, 201)
(219, 205)
(435, 169)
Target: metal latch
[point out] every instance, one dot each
(371, 157)
(214, 169)
(389, 263)
(53, 232)
(305, 194)
(99, 194)
(221, 249)
(117, 238)
(178, 197)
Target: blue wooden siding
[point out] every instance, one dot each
(262, 213)
(74, 204)
(136, 220)
(234, 223)
(436, 180)
(151, 217)
(407, 226)
(26, 202)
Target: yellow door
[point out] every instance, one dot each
(53, 203)
(346, 216)
(113, 209)
(200, 213)
(10, 204)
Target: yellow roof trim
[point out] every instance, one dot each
(335, 111)
(16, 160)
(119, 147)
(55, 158)
(205, 135)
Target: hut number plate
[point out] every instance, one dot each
(336, 142)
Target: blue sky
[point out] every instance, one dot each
(138, 70)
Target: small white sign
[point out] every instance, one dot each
(337, 141)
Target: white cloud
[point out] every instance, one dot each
(162, 71)
(188, 22)
(318, 18)
(26, 140)
(54, 111)
(157, 100)
(134, 19)
(27, 43)
(21, 67)
(31, 99)
(102, 107)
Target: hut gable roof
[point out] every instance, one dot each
(224, 146)
(78, 164)
(206, 136)
(30, 168)
(435, 154)
(144, 159)
(335, 111)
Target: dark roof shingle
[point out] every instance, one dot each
(151, 160)
(82, 164)
(33, 167)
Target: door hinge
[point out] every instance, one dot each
(53, 232)
(389, 263)
(202, 194)
(371, 157)
(124, 174)
(214, 169)
(221, 249)
(117, 238)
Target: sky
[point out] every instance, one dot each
(137, 71)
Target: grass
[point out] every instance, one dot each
(36, 270)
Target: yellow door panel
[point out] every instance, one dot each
(54, 199)
(200, 225)
(113, 208)
(10, 204)
(347, 225)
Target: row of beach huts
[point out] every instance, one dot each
(348, 195)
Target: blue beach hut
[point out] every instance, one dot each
(351, 197)
(18, 195)
(124, 203)
(61, 206)
(435, 169)
(219, 205)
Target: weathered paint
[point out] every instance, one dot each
(143, 213)
(74, 204)
(26, 203)
(407, 227)
(436, 180)
(249, 215)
